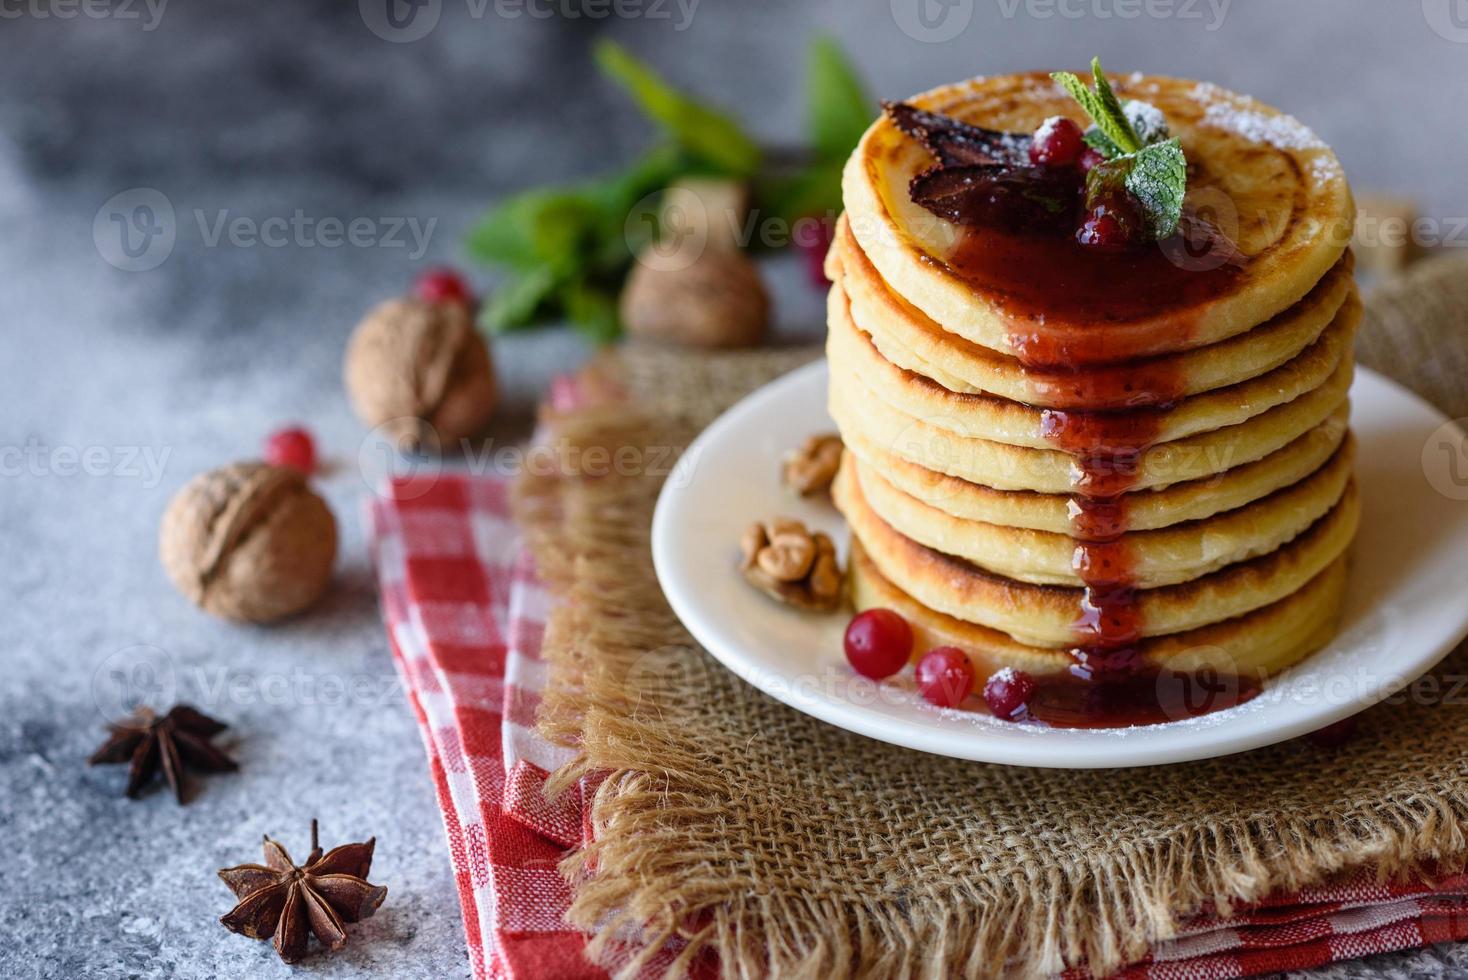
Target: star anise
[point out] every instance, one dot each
(177, 740)
(288, 902)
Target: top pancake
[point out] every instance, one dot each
(1263, 178)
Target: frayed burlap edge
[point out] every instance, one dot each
(618, 655)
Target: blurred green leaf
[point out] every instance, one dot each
(815, 190)
(518, 300)
(593, 311)
(840, 109)
(708, 135)
(523, 230)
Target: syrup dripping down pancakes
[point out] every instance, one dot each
(1118, 471)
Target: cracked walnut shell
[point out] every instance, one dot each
(412, 362)
(249, 542)
(789, 563)
(812, 468)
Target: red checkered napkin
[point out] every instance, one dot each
(465, 615)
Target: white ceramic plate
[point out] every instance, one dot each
(1406, 608)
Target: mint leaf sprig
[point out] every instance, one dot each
(1148, 165)
(1105, 111)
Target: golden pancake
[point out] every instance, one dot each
(1002, 466)
(997, 419)
(910, 340)
(1157, 558)
(1144, 510)
(1269, 183)
(1264, 641)
(1047, 615)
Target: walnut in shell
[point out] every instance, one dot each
(812, 468)
(421, 369)
(707, 211)
(715, 299)
(792, 564)
(249, 542)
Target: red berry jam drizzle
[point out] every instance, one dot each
(1115, 363)
(1104, 295)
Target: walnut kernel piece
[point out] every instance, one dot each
(792, 564)
(811, 468)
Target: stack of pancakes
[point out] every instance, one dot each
(1063, 460)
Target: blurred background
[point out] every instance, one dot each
(249, 129)
(434, 109)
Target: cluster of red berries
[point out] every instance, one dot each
(1060, 142)
(879, 643)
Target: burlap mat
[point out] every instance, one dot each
(789, 847)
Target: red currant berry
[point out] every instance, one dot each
(291, 447)
(443, 286)
(945, 677)
(1090, 157)
(1057, 143)
(1105, 228)
(1336, 735)
(1007, 693)
(878, 643)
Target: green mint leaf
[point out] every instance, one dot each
(1155, 177)
(546, 226)
(1158, 179)
(839, 108)
(708, 135)
(1124, 135)
(1103, 108)
(1102, 143)
(1147, 122)
(592, 311)
(519, 300)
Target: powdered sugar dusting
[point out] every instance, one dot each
(1047, 128)
(1148, 120)
(1237, 114)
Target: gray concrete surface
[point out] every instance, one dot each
(119, 385)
